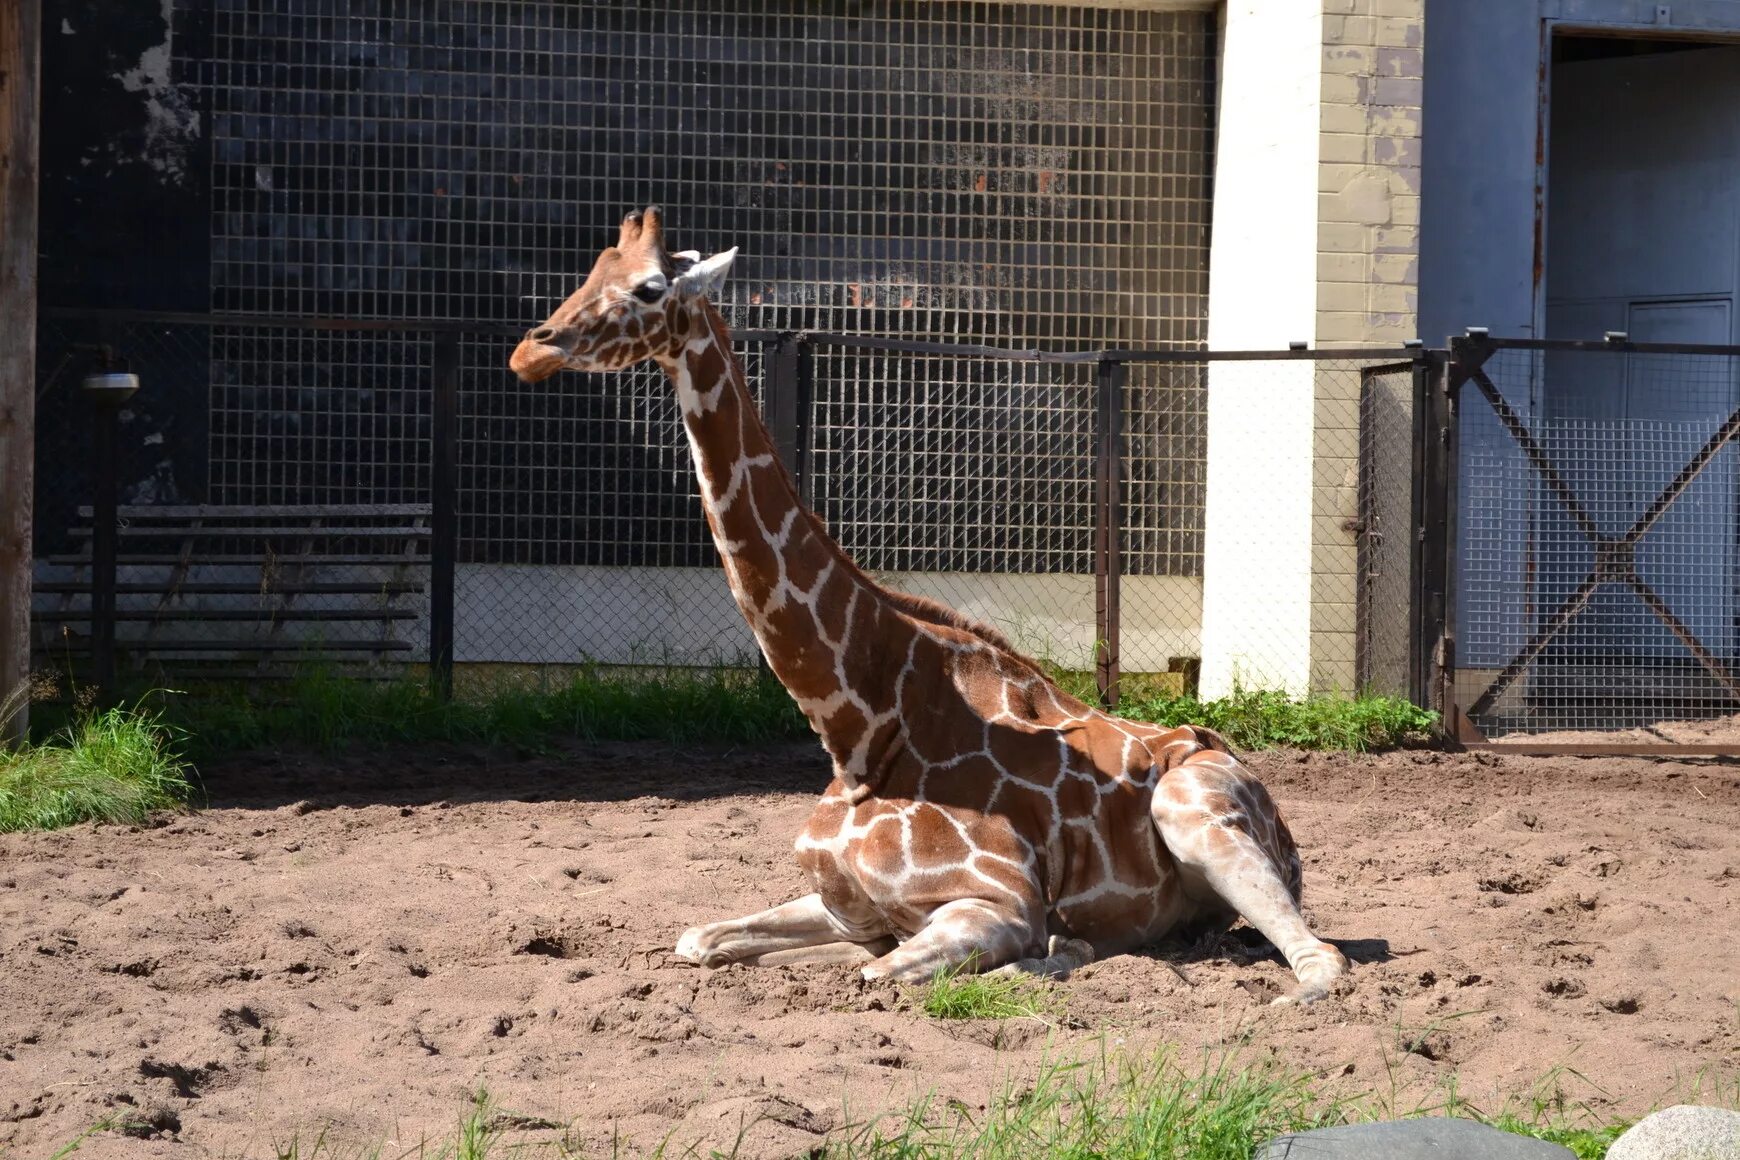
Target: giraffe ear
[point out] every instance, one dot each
(702, 278)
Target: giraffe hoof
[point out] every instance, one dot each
(689, 948)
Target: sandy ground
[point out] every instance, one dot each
(358, 943)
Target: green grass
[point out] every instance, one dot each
(728, 705)
(595, 704)
(1264, 719)
(1108, 1108)
(957, 993)
(118, 765)
(1107, 1105)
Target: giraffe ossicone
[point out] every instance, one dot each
(978, 815)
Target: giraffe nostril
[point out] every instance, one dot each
(543, 334)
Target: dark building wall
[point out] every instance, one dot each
(1002, 172)
(125, 224)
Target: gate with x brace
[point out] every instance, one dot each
(1586, 527)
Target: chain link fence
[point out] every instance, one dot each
(993, 481)
(1387, 527)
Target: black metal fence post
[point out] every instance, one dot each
(1422, 629)
(1108, 538)
(1438, 530)
(104, 528)
(779, 399)
(803, 467)
(444, 510)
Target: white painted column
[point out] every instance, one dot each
(1256, 608)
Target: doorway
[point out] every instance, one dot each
(1642, 209)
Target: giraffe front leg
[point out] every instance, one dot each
(803, 922)
(1234, 854)
(969, 933)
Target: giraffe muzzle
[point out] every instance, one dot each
(535, 361)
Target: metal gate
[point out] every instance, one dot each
(1591, 541)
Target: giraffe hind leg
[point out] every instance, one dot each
(1234, 854)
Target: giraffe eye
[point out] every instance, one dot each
(651, 290)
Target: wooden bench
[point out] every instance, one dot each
(220, 590)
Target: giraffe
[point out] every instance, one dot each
(978, 816)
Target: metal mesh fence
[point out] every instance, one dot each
(318, 417)
(1598, 587)
(1387, 524)
(966, 480)
(579, 532)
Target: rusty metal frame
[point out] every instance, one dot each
(1615, 556)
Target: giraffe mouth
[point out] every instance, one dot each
(534, 362)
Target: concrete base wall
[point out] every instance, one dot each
(562, 615)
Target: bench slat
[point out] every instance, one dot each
(255, 560)
(237, 533)
(263, 511)
(209, 588)
(312, 647)
(80, 615)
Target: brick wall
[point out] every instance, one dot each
(1367, 260)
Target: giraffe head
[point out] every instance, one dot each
(631, 307)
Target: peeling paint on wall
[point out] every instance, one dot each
(171, 123)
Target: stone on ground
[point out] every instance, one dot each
(1682, 1132)
(1425, 1139)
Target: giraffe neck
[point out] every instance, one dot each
(823, 625)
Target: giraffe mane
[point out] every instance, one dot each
(936, 612)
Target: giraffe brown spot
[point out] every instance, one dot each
(1028, 753)
(844, 728)
(833, 601)
(1134, 846)
(871, 650)
(879, 852)
(936, 840)
(1106, 749)
(805, 555)
(1220, 805)
(807, 674)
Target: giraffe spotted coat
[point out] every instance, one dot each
(978, 815)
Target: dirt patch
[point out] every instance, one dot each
(360, 942)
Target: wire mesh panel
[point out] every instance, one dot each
(307, 417)
(966, 480)
(1600, 583)
(1163, 478)
(1386, 529)
(1022, 174)
(954, 171)
(580, 529)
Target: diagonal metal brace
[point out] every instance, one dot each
(1615, 557)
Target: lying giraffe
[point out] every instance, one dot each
(978, 815)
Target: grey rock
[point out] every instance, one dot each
(1682, 1132)
(1435, 1138)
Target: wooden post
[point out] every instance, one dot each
(20, 55)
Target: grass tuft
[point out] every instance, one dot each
(118, 765)
(958, 993)
(1108, 1108)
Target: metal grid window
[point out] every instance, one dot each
(994, 459)
(589, 469)
(304, 418)
(959, 172)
